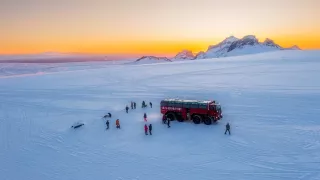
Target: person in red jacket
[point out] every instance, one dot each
(118, 124)
(146, 129)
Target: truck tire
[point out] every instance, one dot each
(180, 118)
(196, 119)
(215, 119)
(208, 120)
(171, 116)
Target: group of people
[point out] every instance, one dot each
(146, 128)
(165, 120)
(144, 105)
(117, 124)
(134, 105)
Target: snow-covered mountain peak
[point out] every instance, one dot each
(295, 47)
(232, 46)
(226, 42)
(268, 41)
(151, 59)
(230, 39)
(253, 37)
(271, 43)
(249, 40)
(185, 54)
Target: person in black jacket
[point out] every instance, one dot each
(150, 129)
(150, 104)
(134, 105)
(127, 108)
(164, 119)
(107, 123)
(168, 122)
(227, 129)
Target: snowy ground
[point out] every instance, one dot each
(272, 101)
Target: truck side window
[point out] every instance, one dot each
(178, 105)
(202, 106)
(194, 106)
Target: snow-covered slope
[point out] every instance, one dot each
(271, 100)
(151, 60)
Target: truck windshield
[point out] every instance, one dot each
(215, 107)
(218, 107)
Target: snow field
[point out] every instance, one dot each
(271, 100)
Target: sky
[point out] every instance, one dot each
(152, 27)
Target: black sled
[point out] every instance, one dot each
(77, 125)
(107, 115)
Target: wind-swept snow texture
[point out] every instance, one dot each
(272, 101)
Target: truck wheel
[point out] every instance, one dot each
(180, 118)
(208, 120)
(196, 119)
(215, 119)
(171, 116)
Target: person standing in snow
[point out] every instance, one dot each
(118, 124)
(145, 117)
(150, 104)
(143, 104)
(131, 105)
(127, 108)
(146, 129)
(134, 105)
(164, 119)
(150, 129)
(107, 123)
(227, 129)
(168, 122)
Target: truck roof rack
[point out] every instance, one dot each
(189, 101)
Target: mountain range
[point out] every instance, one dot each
(151, 60)
(231, 46)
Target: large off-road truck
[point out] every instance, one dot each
(195, 110)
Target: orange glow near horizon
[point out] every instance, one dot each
(165, 48)
(148, 27)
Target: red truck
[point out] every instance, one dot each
(195, 110)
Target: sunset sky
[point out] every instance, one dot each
(154, 27)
